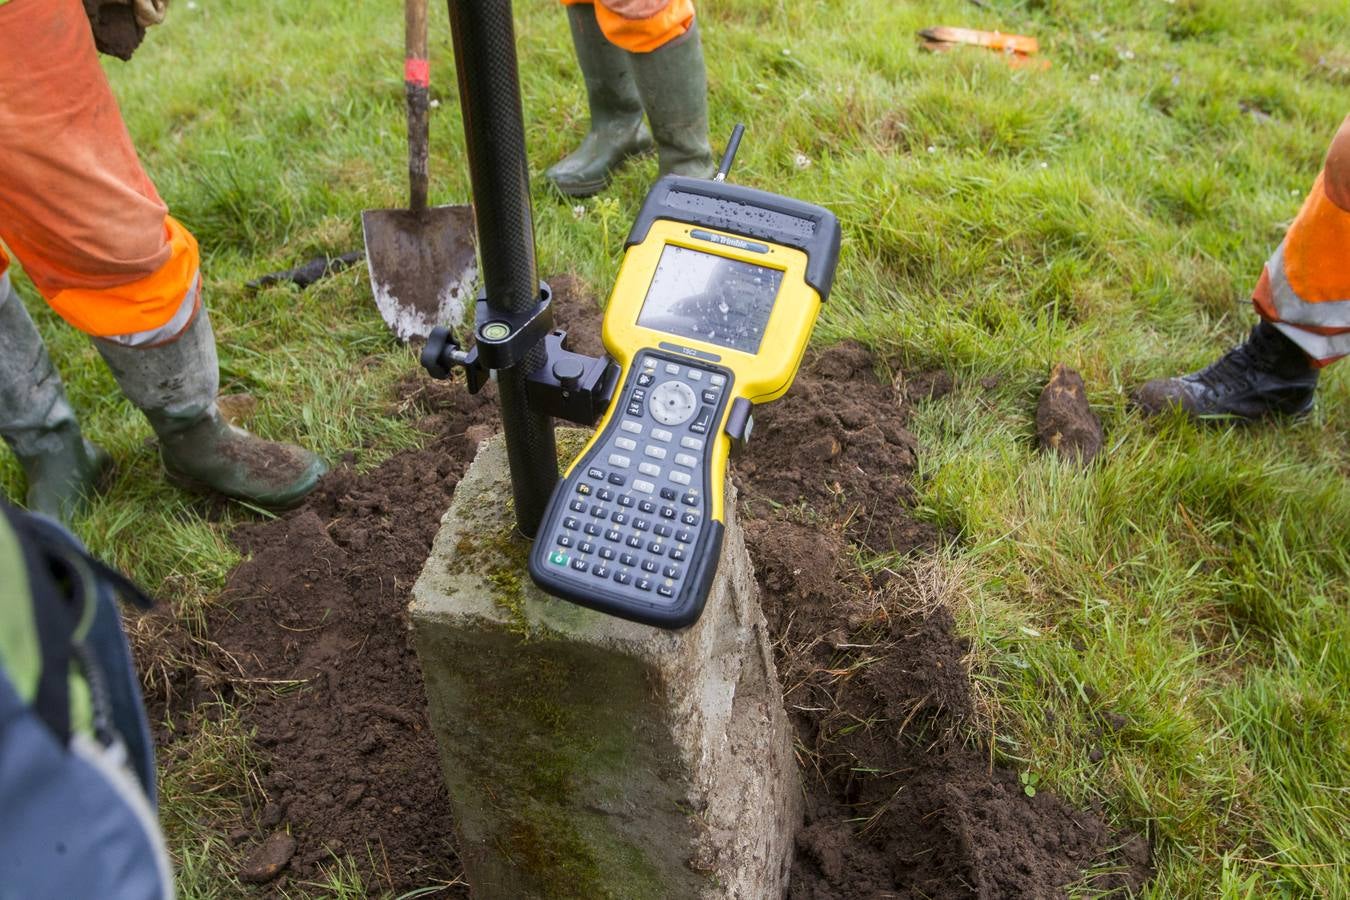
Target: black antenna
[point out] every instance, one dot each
(730, 156)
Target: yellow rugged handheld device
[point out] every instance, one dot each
(715, 300)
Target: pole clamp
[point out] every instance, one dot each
(568, 385)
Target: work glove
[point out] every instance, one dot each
(119, 25)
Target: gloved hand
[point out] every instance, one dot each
(150, 12)
(119, 25)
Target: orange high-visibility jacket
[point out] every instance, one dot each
(76, 207)
(1305, 287)
(641, 26)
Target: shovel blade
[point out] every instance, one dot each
(423, 266)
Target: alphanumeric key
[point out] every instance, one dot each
(671, 571)
(564, 540)
(580, 564)
(661, 530)
(622, 577)
(619, 518)
(592, 529)
(626, 500)
(606, 553)
(599, 511)
(571, 524)
(577, 506)
(641, 524)
(683, 536)
(600, 570)
(667, 512)
(646, 506)
(677, 554)
(585, 547)
(656, 548)
(643, 584)
(613, 536)
(605, 494)
(628, 559)
(649, 565)
(634, 541)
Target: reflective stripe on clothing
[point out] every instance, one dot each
(641, 26)
(76, 207)
(1305, 287)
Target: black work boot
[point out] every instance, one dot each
(1266, 375)
(674, 86)
(617, 131)
(175, 385)
(62, 468)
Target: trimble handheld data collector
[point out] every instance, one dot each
(715, 300)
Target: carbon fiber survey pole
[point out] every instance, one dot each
(494, 131)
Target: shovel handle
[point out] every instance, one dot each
(416, 81)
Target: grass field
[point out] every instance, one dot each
(1189, 596)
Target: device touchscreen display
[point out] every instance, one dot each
(710, 298)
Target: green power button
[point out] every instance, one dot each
(558, 558)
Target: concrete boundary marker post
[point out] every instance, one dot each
(587, 756)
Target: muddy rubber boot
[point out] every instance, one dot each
(61, 467)
(674, 88)
(617, 131)
(1266, 375)
(175, 385)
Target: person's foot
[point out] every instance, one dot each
(65, 475)
(213, 455)
(1266, 375)
(587, 170)
(174, 384)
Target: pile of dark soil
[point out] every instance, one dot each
(312, 642)
(901, 800)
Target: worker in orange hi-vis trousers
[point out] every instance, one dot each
(637, 56)
(80, 214)
(1303, 299)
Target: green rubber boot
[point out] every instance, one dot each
(175, 385)
(674, 88)
(617, 131)
(62, 468)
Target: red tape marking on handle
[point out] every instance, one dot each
(417, 71)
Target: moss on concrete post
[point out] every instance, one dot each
(591, 757)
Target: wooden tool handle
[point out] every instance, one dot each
(416, 81)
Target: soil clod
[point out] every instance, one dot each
(1065, 423)
(268, 859)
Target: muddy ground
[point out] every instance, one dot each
(311, 641)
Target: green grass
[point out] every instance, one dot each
(1111, 213)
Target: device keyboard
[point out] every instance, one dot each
(635, 509)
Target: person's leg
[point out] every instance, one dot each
(62, 468)
(617, 130)
(80, 212)
(1304, 289)
(666, 54)
(175, 385)
(1303, 299)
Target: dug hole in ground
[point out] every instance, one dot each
(311, 643)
